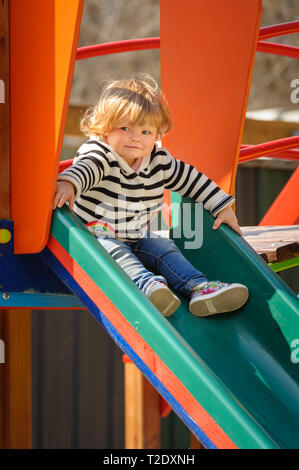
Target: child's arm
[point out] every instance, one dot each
(228, 217)
(189, 182)
(65, 192)
(87, 170)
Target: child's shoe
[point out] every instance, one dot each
(214, 297)
(162, 298)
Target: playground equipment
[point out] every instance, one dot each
(230, 379)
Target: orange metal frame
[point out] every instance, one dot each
(43, 40)
(208, 99)
(199, 111)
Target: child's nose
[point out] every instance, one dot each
(135, 135)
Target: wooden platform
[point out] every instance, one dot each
(273, 243)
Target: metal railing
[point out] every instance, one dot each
(283, 148)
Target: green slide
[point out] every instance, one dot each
(232, 378)
(252, 351)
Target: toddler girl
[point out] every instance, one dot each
(115, 186)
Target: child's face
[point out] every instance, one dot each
(131, 141)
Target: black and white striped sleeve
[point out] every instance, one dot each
(88, 168)
(189, 182)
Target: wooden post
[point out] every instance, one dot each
(2, 382)
(142, 411)
(4, 167)
(15, 327)
(195, 443)
(16, 375)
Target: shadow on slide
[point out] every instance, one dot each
(251, 350)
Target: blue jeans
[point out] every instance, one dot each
(154, 258)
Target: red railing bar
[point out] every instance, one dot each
(154, 43)
(288, 154)
(278, 49)
(64, 164)
(282, 149)
(281, 29)
(117, 46)
(268, 148)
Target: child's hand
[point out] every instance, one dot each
(65, 191)
(228, 217)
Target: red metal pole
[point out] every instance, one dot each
(278, 49)
(117, 46)
(154, 43)
(281, 29)
(268, 148)
(288, 154)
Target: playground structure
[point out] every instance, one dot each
(242, 394)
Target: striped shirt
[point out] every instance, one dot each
(111, 197)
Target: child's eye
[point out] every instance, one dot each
(146, 132)
(124, 128)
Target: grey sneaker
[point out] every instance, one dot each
(162, 298)
(214, 297)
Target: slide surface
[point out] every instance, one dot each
(233, 379)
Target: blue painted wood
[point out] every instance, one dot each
(39, 301)
(19, 273)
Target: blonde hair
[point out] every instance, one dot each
(138, 100)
